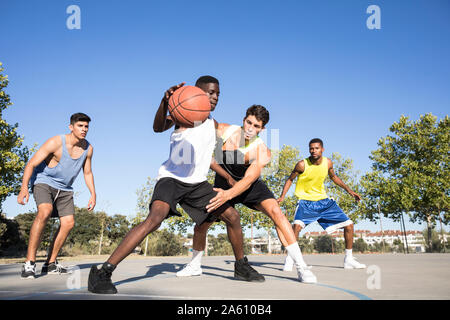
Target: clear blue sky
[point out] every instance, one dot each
(314, 64)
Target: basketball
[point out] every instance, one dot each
(189, 105)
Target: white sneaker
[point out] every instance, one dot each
(351, 263)
(189, 271)
(306, 275)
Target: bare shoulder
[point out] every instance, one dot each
(263, 147)
(330, 163)
(263, 152)
(300, 166)
(90, 150)
(52, 144)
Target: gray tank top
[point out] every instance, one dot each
(64, 174)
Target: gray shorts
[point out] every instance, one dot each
(62, 201)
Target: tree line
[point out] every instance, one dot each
(95, 232)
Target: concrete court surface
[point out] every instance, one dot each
(388, 276)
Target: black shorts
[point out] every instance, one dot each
(193, 198)
(257, 193)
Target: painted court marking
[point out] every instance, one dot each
(358, 295)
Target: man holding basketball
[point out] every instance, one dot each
(181, 181)
(314, 204)
(242, 155)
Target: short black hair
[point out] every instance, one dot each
(205, 80)
(316, 140)
(260, 113)
(79, 117)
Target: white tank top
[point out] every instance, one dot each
(191, 151)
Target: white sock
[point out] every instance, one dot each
(348, 253)
(196, 258)
(289, 261)
(296, 254)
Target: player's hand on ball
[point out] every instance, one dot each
(171, 90)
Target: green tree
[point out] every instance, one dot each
(85, 237)
(380, 247)
(25, 221)
(437, 244)
(327, 243)
(305, 245)
(360, 245)
(86, 232)
(117, 227)
(398, 245)
(11, 243)
(410, 173)
(344, 169)
(339, 246)
(144, 196)
(219, 246)
(165, 243)
(13, 155)
(323, 244)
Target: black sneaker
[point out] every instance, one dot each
(100, 281)
(54, 268)
(29, 270)
(243, 271)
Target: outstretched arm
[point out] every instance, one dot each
(298, 169)
(162, 121)
(339, 182)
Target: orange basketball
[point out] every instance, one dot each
(189, 105)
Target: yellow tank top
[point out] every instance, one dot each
(310, 184)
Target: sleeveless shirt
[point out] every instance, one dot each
(310, 184)
(233, 161)
(64, 173)
(190, 155)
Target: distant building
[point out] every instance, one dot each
(416, 241)
(261, 245)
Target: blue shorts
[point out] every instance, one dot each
(326, 212)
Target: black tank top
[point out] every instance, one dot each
(233, 161)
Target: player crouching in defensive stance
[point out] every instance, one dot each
(51, 172)
(314, 204)
(242, 155)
